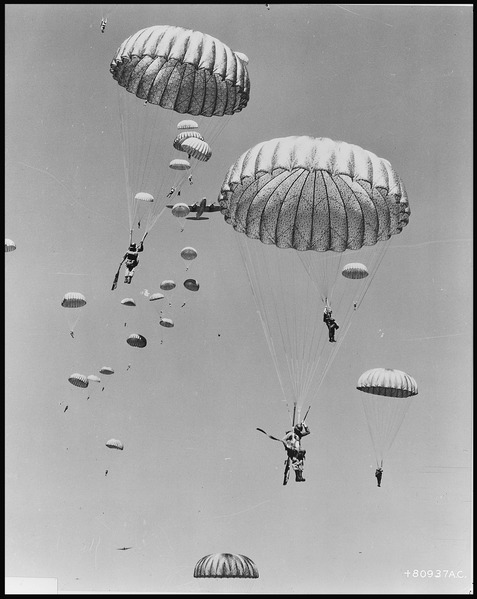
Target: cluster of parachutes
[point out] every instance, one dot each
(168, 70)
(313, 219)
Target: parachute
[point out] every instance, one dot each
(180, 210)
(166, 322)
(355, 271)
(78, 380)
(187, 124)
(197, 148)
(155, 296)
(128, 301)
(163, 71)
(179, 165)
(136, 340)
(387, 396)
(191, 285)
(106, 370)
(73, 300)
(167, 285)
(225, 565)
(301, 207)
(183, 136)
(114, 444)
(188, 253)
(93, 378)
(10, 245)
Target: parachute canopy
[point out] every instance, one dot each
(355, 270)
(167, 285)
(73, 300)
(312, 193)
(10, 245)
(144, 197)
(128, 301)
(136, 340)
(191, 285)
(106, 370)
(182, 70)
(155, 296)
(187, 124)
(387, 382)
(178, 164)
(166, 322)
(180, 210)
(225, 565)
(197, 148)
(114, 444)
(78, 380)
(93, 378)
(188, 253)
(183, 136)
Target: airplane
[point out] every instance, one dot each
(200, 208)
(123, 548)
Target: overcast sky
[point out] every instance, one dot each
(195, 477)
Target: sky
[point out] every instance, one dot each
(195, 477)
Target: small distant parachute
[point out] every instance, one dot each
(355, 270)
(178, 164)
(78, 380)
(387, 395)
(155, 296)
(144, 197)
(191, 285)
(187, 124)
(136, 340)
(114, 444)
(182, 136)
(167, 285)
(180, 210)
(10, 245)
(93, 378)
(188, 253)
(73, 300)
(106, 370)
(225, 565)
(128, 301)
(166, 322)
(197, 148)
